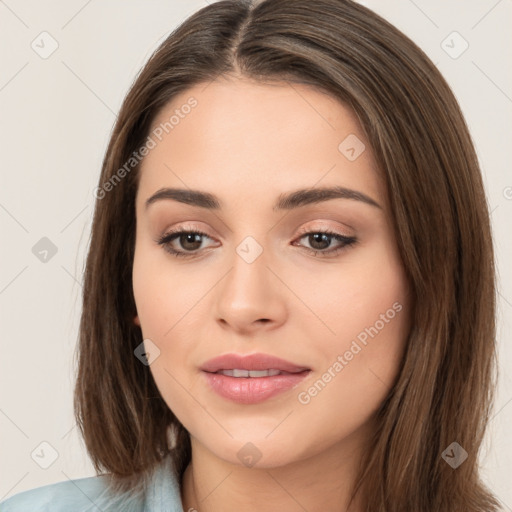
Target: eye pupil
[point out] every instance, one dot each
(320, 238)
(192, 238)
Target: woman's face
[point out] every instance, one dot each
(263, 279)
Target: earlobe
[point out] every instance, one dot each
(136, 320)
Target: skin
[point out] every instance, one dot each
(247, 143)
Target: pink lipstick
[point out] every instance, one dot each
(252, 378)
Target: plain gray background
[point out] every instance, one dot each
(56, 114)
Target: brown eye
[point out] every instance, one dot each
(320, 241)
(190, 242)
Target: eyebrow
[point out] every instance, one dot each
(288, 201)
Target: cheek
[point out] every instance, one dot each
(164, 294)
(355, 379)
(362, 297)
(359, 356)
(167, 301)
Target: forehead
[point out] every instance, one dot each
(245, 137)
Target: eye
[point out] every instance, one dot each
(319, 240)
(190, 240)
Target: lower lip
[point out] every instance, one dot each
(252, 390)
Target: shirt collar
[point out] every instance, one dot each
(163, 494)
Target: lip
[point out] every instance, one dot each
(250, 362)
(252, 390)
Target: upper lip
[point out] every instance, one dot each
(250, 362)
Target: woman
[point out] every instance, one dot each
(288, 302)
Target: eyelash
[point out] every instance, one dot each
(168, 237)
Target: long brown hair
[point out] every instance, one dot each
(412, 120)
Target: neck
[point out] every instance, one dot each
(321, 482)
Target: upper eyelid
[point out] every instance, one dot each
(299, 235)
(309, 229)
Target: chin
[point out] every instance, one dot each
(257, 451)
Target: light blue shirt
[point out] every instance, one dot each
(91, 495)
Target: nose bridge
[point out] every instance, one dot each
(248, 275)
(249, 292)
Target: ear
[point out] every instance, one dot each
(136, 320)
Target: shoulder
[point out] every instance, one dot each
(92, 494)
(80, 495)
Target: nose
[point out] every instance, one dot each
(251, 296)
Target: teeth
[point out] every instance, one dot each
(249, 373)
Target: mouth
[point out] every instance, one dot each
(251, 365)
(252, 379)
(238, 372)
